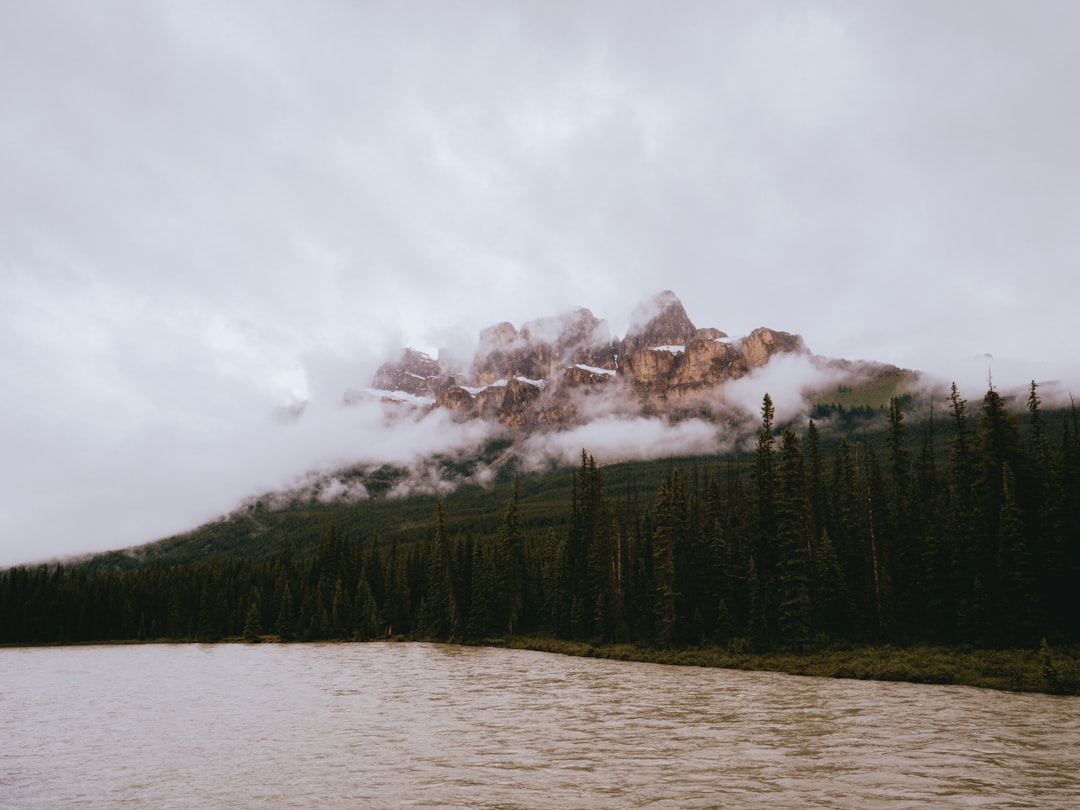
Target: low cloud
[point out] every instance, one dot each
(787, 378)
(92, 489)
(612, 439)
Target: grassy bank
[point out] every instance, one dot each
(1052, 671)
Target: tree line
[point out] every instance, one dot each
(971, 536)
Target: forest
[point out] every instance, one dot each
(964, 530)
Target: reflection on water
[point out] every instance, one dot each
(421, 725)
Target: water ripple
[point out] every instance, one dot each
(434, 726)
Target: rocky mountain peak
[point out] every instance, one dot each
(565, 369)
(660, 321)
(567, 332)
(415, 373)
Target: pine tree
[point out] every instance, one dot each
(481, 595)
(366, 610)
(551, 593)
(510, 568)
(341, 626)
(670, 523)
(253, 621)
(764, 550)
(833, 608)
(876, 518)
(1019, 600)
(960, 524)
(284, 625)
(997, 445)
(444, 619)
(794, 614)
(815, 485)
(846, 531)
(901, 541)
(937, 556)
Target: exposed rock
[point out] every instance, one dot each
(651, 368)
(762, 344)
(661, 321)
(415, 373)
(709, 361)
(458, 401)
(709, 333)
(543, 347)
(566, 369)
(584, 374)
(494, 356)
(516, 405)
(500, 336)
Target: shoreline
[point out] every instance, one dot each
(1052, 671)
(1009, 670)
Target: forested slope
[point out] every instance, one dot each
(963, 531)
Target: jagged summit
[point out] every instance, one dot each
(660, 321)
(566, 369)
(415, 373)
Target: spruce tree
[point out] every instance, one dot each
(794, 614)
(670, 523)
(443, 618)
(1020, 603)
(366, 611)
(253, 621)
(481, 595)
(510, 564)
(764, 549)
(284, 624)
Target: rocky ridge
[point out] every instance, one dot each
(564, 370)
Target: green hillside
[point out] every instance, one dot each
(965, 532)
(260, 530)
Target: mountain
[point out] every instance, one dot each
(540, 382)
(562, 371)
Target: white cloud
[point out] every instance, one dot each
(210, 211)
(610, 439)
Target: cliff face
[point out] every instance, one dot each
(563, 370)
(415, 373)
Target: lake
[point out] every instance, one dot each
(427, 725)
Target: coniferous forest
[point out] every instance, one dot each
(961, 531)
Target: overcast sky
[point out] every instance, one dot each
(212, 210)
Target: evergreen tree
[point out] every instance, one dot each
(815, 485)
(793, 537)
(510, 567)
(253, 621)
(481, 595)
(846, 530)
(1020, 619)
(284, 625)
(444, 619)
(876, 520)
(833, 609)
(670, 523)
(961, 495)
(764, 550)
(366, 610)
(901, 543)
(937, 554)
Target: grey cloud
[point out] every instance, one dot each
(210, 211)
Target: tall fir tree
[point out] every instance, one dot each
(794, 611)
